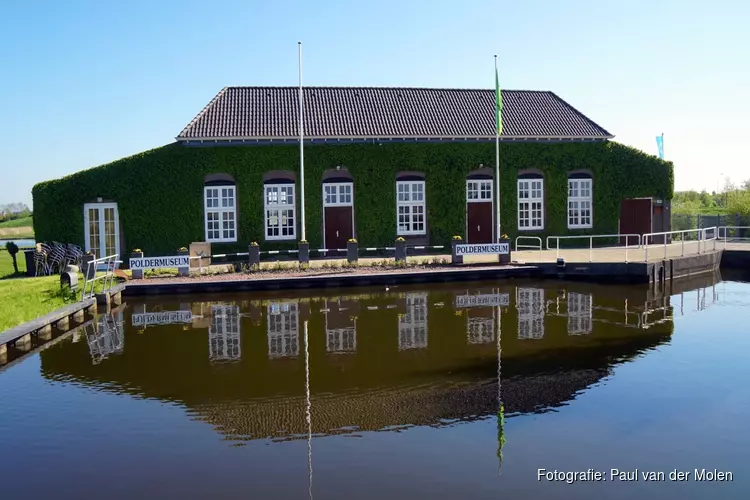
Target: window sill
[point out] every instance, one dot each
(412, 234)
(580, 227)
(531, 229)
(222, 241)
(280, 238)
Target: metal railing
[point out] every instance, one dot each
(591, 237)
(91, 275)
(723, 233)
(530, 247)
(702, 238)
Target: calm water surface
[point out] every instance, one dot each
(370, 393)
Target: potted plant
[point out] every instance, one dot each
(504, 258)
(254, 255)
(352, 250)
(400, 249)
(304, 252)
(183, 271)
(137, 253)
(455, 241)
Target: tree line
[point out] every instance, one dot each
(13, 211)
(732, 199)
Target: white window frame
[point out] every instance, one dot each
(224, 339)
(278, 207)
(337, 190)
(282, 327)
(412, 326)
(531, 308)
(479, 190)
(405, 199)
(580, 313)
(226, 212)
(531, 192)
(580, 194)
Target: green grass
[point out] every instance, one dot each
(24, 299)
(23, 222)
(6, 263)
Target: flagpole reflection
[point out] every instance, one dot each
(500, 407)
(308, 419)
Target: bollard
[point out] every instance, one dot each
(304, 252)
(138, 273)
(456, 259)
(254, 256)
(400, 249)
(352, 251)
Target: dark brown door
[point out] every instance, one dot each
(635, 218)
(338, 227)
(479, 222)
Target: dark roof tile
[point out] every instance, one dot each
(371, 112)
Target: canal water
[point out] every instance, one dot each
(421, 391)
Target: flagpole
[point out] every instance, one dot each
(497, 158)
(663, 156)
(301, 145)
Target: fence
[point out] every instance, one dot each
(636, 238)
(683, 222)
(671, 239)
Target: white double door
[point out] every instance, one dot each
(102, 229)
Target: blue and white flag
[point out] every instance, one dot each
(660, 145)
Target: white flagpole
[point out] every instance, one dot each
(301, 145)
(497, 161)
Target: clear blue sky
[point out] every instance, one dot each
(87, 82)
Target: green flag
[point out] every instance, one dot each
(498, 105)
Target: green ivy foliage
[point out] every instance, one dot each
(160, 192)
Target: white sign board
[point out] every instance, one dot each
(486, 300)
(161, 318)
(143, 263)
(483, 249)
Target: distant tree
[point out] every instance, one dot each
(746, 185)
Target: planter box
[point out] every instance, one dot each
(304, 253)
(138, 273)
(253, 257)
(352, 251)
(505, 258)
(456, 259)
(400, 251)
(183, 271)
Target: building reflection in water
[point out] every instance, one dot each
(341, 328)
(105, 336)
(579, 313)
(282, 322)
(412, 326)
(530, 307)
(224, 342)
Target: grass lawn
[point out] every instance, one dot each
(23, 299)
(23, 222)
(6, 263)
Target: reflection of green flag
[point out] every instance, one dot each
(498, 104)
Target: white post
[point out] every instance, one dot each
(497, 164)
(591, 246)
(301, 145)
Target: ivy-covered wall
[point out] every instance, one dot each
(160, 192)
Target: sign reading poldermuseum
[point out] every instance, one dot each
(143, 263)
(161, 318)
(483, 249)
(483, 300)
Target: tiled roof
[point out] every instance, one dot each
(369, 112)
